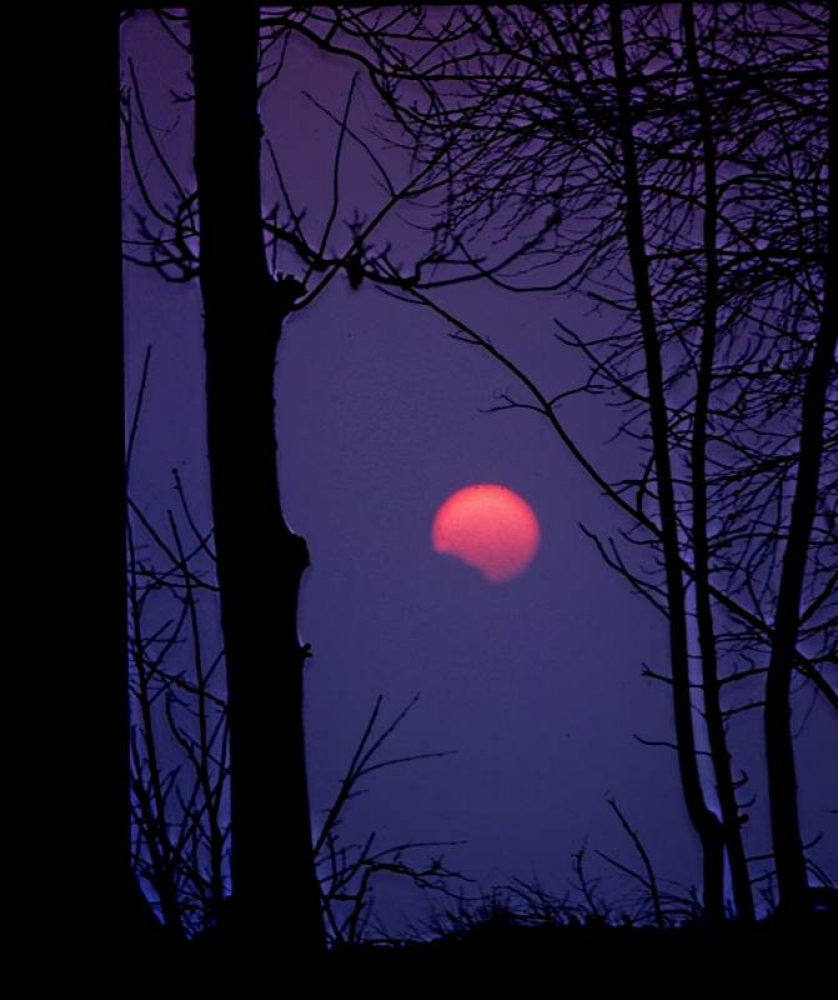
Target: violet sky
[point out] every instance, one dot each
(535, 683)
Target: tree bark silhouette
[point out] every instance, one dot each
(710, 686)
(704, 821)
(260, 560)
(789, 855)
(89, 891)
(103, 721)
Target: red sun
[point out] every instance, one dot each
(488, 527)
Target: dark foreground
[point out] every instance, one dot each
(514, 961)
(603, 955)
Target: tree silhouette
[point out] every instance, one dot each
(259, 560)
(632, 151)
(650, 142)
(90, 891)
(180, 749)
(789, 855)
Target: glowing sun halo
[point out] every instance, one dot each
(489, 527)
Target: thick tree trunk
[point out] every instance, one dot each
(706, 824)
(79, 892)
(716, 735)
(260, 561)
(779, 747)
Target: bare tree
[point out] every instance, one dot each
(180, 740)
(792, 879)
(259, 560)
(92, 892)
(650, 142)
(179, 734)
(628, 148)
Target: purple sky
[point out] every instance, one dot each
(534, 683)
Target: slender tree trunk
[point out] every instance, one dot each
(706, 824)
(717, 738)
(779, 747)
(260, 561)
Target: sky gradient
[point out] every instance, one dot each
(534, 683)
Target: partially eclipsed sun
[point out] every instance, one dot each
(488, 527)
